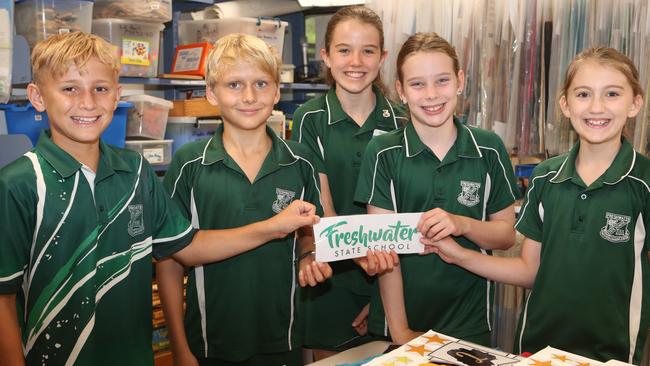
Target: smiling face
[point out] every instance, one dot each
(245, 95)
(598, 102)
(79, 103)
(354, 56)
(429, 86)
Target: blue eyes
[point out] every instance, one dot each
(74, 90)
(585, 94)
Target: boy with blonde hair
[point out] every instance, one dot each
(82, 219)
(242, 310)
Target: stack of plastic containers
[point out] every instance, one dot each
(134, 28)
(38, 19)
(145, 128)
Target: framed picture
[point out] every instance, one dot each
(189, 59)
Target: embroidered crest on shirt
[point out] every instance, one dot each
(615, 230)
(283, 200)
(385, 113)
(468, 195)
(136, 222)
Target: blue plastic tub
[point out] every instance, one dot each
(24, 119)
(524, 170)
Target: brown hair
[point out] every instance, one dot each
(605, 56)
(425, 42)
(363, 15)
(236, 48)
(58, 52)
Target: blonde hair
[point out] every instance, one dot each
(236, 48)
(425, 42)
(361, 14)
(57, 53)
(605, 56)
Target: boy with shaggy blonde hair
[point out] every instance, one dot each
(81, 220)
(244, 309)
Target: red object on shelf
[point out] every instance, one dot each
(189, 59)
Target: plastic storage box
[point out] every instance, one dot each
(149, 117)
(157, 152)
(24, 119)
(187, 129)
(210, 30)
(277, 124)
(137, 44)
(159, 11)
(6, 48)
(39, 19)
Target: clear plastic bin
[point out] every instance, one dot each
(137, 44)
(6, 48)
(149, 117)
(210, 30)
(159, 11)
(277, 124)
(157, 152)
(187, 129)
(38, 19)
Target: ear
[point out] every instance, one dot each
(400, 91)
(461, 80)
(209, 95)
(564, 106)
(325, 56)
(277, 96)
(35, 97)
(384, 54)
(635, 108)
(118, 94)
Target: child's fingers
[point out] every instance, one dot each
(325, 269)
(318, 276)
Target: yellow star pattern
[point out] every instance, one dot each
(403, 359)
(540, 363)
(419, 349)
(560, 357)
(435, 338)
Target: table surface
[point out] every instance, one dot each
(355, 354)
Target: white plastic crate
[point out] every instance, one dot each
(148, 118)
(159, 11)
(210, 30)
(137, 44)
(157, 152)
(38, 19)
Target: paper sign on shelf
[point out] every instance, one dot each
(346, 237)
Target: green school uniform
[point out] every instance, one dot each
(339, 142)
(592, 291)
(475, 179)
(79, 254)
(247, 304)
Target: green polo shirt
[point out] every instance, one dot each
(338, 142)
(81, 262)
(475, 179)
(592, 291)
(247, 304)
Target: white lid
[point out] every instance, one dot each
(148, 142)
(182, 119)
(149, 99)
(160, 26)
(288, 66)
(232, 20)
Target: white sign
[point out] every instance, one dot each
(346, 237)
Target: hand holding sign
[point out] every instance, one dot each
(377, 262)
(347, 237)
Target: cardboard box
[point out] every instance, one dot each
(198, 107)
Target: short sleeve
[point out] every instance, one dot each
(373, 184)
(504, 185)
(172, 231)
(530, 222)
(178, 184)
(304, 132)
(312, 184)
(17, 212)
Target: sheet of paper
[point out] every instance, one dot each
(346, 237)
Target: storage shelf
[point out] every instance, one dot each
(190, 83)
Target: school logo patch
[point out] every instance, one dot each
(283, 200)
(468, 195)
(136, 222)
(385, 113)
(615, 230)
